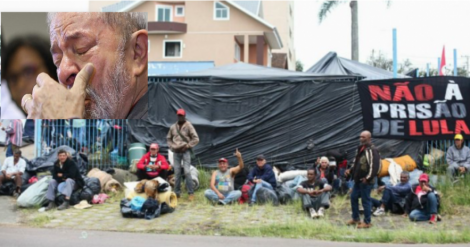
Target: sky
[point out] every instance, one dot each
(423, 28)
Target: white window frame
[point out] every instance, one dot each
(239, 52)
(215, 12)
(164, 7)
(175, 40)
(176, 10)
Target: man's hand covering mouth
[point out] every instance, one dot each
(51, 100)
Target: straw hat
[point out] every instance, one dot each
(83, 205)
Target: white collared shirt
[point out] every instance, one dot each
(10, 167)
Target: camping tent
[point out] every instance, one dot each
(331, 64)
(287, 116)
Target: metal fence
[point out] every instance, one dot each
(436, 153)
(103, 141)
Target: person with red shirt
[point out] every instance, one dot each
(152, 164)
(423, 203)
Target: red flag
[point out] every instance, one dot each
(443, 61)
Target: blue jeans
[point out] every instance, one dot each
(388, 199)
(259, 186)
(229, 197)
(429, 209)
(9, 151)
(363, 190)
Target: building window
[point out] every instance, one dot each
(179, 11)
(164, 13)
(237, 52)
(172, 49)
(221, 11)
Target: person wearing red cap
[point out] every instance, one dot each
(423, 203)
(182, 138)
(152, 164)
(222, 182)
(458, 157)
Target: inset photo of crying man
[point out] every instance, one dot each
(74, 65)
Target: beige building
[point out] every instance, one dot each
(220, 31)
(281, 15)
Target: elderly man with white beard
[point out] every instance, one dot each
(101, 61)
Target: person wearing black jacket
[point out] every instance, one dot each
(364, 172)
(423, 202)
(263, 176)
(66, 178)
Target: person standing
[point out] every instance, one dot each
(182, 138)
(364, 172)
(14, 135)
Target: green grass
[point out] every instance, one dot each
(289, 221)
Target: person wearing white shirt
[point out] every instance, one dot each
(13, 169)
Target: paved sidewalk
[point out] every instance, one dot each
(8, 211)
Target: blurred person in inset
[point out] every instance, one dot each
(102, 64)
(23, 59)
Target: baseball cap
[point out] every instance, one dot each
(260, 157)
(424, 177)
(153, 146)
(223, 160)
(181, 112)
(458, 137)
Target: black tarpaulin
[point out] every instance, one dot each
(274, 117)
(331, 64)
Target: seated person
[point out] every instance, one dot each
(222, 182)
(326, 171)
(422, 204)
(152, 164)
(66, 178)
(394, 197)
(12, 170)
(263, 177)
(315, 194)
(458, 157)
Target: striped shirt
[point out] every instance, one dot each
(15, 132)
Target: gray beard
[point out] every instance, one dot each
(107, 103)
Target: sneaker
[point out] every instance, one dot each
(220, 202)
(191, 197)
(50, 206)
(433, 219)
(64, 206)
(16, 194)
(379, 212)
(320, 212)
(352, 222)
(178, 196)
(363, 225)
(313, 214)
(251, 203)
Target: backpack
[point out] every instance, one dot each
(246, 188)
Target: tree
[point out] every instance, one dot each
(405, 66)
(299, 66)
(380, 61)
(326, 8)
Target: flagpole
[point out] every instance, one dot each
(427, 69)
(455, 62)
